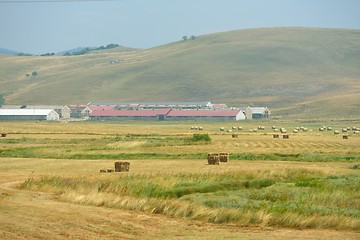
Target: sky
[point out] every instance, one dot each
(39, 27)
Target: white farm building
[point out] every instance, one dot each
(29, 114)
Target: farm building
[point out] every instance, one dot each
(29, 114)
(166, 114)
(179, 111)
(76, 111)
(86, 112)
(110, 114)
(205, 114)
(62, 110)
(154, 105)
(219, 106)
(260, 112)
(247, 112)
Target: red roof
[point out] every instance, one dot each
(203, 113)
(129, 113)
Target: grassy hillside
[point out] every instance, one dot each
(297, 72)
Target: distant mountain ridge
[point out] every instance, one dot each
(70, 52)
(296, 72)
(8, 52)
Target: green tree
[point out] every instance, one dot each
(184, 38)
(34, 74)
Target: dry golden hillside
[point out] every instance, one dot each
(297, 72)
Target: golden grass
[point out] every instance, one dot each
(131, 137)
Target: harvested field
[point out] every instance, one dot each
(299, 188)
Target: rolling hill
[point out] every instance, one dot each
(7, 51)
(297, 72)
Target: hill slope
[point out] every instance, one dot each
(297, 72)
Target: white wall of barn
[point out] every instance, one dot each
(240, 116)
(52, 116)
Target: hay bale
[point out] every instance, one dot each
(273, 127)
(102, 170)
(283, 130)
(224, 157)
(240, 128)
(213, 158)
(222, 129)
(295, 131)
(122, 166)
(276, 136)
(336, 132)
(285, 136)
(345, 137)
(201, 128)
(234, 127)
(321, 129)
(3, 135)
(234, 136)
(109, 170)
(344, 130)
(329, 128)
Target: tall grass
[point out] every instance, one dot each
(296, 198)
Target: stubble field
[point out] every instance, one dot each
(304, 187)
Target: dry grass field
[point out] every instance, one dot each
(304, 187)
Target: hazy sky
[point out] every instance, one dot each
(53, 26)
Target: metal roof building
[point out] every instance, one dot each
(108, 114)
(154, 105)
(167, 114)
(260, 112)
(29, 114)
(62, 110)
(206, 114)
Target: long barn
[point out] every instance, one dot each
(206, 114)
(166, 114)
(29, 114)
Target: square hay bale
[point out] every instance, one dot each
(276, 136)
(213, 159)
(102, 170)
(234, 136)
(122, 166)
(224, 157)
(345, 137)
(285, 136)
(3, 135)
